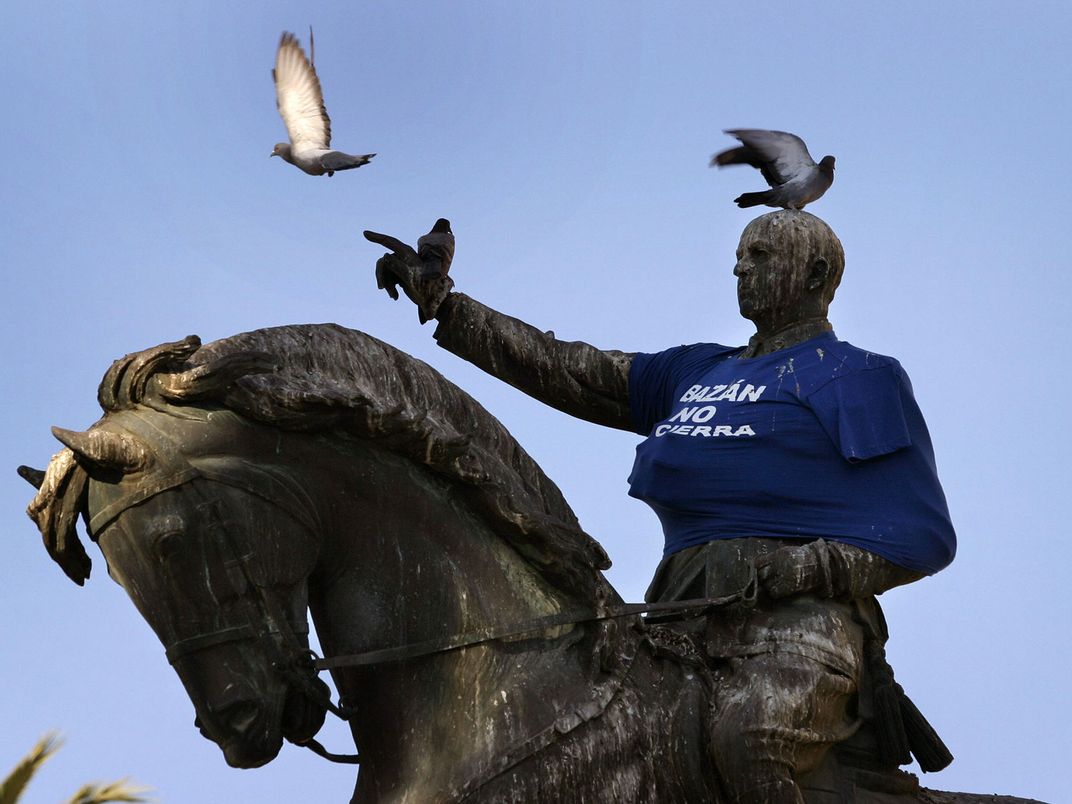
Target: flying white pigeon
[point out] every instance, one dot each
(301, 105)
(785, 163)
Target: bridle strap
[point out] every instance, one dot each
(145, 491)
(175, 469)
(184, 647)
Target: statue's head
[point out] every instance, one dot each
(789, 263)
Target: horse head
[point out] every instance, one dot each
(230, 485)
(212, 541)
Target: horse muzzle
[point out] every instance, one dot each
(244, 729)
(303, 716)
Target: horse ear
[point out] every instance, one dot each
(35, 477)
(103, 449)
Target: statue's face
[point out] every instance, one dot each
(770, 285)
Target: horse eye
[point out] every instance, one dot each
(168, 544)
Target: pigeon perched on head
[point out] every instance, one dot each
(436, 249)
(301, 105)
(785, 163)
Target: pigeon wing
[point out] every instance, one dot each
(298, 96)
(783, 155)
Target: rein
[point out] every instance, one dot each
(675, 609)
(668, 610)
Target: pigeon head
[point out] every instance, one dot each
(826, 164)
(282, 149)
(442, 225)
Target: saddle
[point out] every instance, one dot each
(865, 766)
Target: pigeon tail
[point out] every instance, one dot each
(752, 199)
(337, 160)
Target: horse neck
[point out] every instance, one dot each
(404, 561)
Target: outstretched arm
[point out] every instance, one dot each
(574, 377)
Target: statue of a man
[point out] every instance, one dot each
(798, 460)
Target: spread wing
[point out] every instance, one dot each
(783, 155)
(298, 96)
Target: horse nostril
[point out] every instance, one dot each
(237, 715)
(240, 716)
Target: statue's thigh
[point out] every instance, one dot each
(785, 707)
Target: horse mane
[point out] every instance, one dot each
(325, 378)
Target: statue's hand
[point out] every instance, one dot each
(403, 267)
(795, 570)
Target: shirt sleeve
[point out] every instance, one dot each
(864, 412)
(655, 378)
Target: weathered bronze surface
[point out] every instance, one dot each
(232, 485)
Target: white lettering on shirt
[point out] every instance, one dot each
(690, 420)
(685, 414)
(703, 430)
(704, 414)
(751, 393)
(719, 393)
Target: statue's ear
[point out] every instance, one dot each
(818, 273)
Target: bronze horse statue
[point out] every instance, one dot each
(479, 653)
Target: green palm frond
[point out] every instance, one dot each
(112, 791)
(15, 783)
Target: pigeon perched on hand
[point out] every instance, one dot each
(785, 163)
(436, 249)
(422, 273)
(301, 105)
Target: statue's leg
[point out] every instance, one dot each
(778, 715)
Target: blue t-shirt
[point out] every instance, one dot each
(821, 440)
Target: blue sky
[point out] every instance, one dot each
(568, 143)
